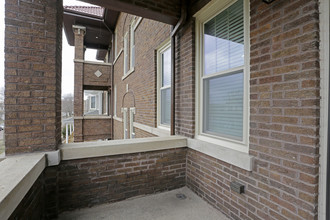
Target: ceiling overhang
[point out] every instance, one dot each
(166, 11)
(98, 28)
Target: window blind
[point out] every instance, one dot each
(223, 93)
(224, 40)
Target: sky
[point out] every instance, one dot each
(67, 52)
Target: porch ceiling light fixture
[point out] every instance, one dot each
(268, 1)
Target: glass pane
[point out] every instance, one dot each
(224, 40)
(95, 102)
(166, 68)
(223, 106)
(166, 106)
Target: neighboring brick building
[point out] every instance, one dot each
(251, 96)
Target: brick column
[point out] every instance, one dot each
(33, 45)
(79, 33)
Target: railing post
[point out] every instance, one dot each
(66, 134)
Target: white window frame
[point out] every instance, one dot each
(116, 43)
(207, 13)
(166, 45)
(126, 65)
(132, 46)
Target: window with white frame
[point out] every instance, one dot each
(132, 45)
(164, 84)
(116, 43)
(126, 54)
(223, 73)
(96, 102)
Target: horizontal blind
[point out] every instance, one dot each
(223, 105)
(165, 106)
(166, 68)
(224, 40)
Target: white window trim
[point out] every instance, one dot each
(131, 45)
(324, 9)
(202, 16)
(164, 46)
(116, 42)
(126, 49)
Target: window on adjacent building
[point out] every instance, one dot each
(116, 43)
(132, 45)
(92, 102)
(223, 73)
(126, 54)
(164, 84)
(96, 102)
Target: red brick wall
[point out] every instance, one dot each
(33, 40)
(148, 37)
(95, 129)
(185, 81)
(32, 205)
(88, 182)
(91, 79)
(118, 130)
(284, 121)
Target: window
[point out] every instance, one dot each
(132, 45)
(116, 43)
(164, 84)
(92, 102)
(126, 54)
(96, 102)
(223, 74)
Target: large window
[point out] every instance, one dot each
(96, 102)
(164, 85)
(223, 74)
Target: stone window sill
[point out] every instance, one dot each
(127, 74)
(236, 158)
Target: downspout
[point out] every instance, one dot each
(173, 64)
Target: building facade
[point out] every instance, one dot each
(250, 99)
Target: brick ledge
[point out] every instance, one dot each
(18, 174)
(116, 147)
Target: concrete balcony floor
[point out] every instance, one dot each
(162, 206)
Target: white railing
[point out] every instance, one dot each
(69, 128)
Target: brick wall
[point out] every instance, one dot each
(88, 129)
(95, 129)
(149, 35)
(91, 79)
(33, 39)
(284, 121)
(87, 182)
(185, 81)
(32, 205)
